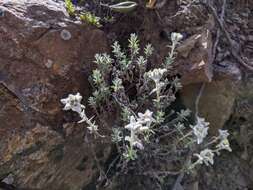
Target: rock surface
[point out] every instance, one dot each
(43, 56)
(216, 102)
(195, 58)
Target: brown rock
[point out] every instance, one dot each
(216, 103)
(195, 58)
(227, 70)
(43, 57)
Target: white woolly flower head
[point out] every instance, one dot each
(156, 74)
(224, 145)
(133, 125)
(205, 156)
(176, 37)
(146, 118)
(223, 134)
(136, 127)
(200, 130)
(73, 102)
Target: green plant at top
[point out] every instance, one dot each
(90, 18)
(86, 17)
(70, 7)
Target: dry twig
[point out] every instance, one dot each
(197, 100)
(218, 30)
(227, 35)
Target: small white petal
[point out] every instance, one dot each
(223, 134)
(127, 138)
(77, 109)
(64, 100)
(138, 145)
(144, 128)
(205, 156)
(67, 107)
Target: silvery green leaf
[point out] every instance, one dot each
(123, 7)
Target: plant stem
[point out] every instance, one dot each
(172, 50)
(158, 99)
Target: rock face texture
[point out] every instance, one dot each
(195, 58)
(43, 56)
(216, 102)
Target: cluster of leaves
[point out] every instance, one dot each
(148, 129)
(70, 7)
(90, 18)
(125, 80)
(86, 17)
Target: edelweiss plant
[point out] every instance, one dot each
(137, 126)
(147, 126)
(73, 102)
(206, 156)
(200, 129)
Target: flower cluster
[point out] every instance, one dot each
(224, 143)
(138, 126)
(156, 75)
(206, 156)
(200, 129)
(176, 37)
(223, 134)
(73, 102)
